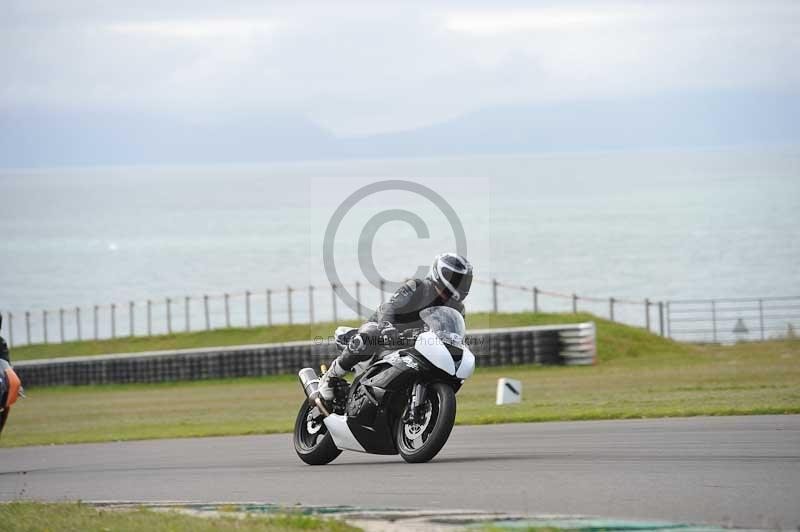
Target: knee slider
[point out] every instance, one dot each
(357, 344)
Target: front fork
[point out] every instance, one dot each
(418, 396)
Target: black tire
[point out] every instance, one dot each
(313, 450)
(442, 401)
(3, 418)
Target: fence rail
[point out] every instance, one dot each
(733, 319)
(695, 320)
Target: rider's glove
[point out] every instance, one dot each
(388, 333)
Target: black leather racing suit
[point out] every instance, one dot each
(4, 350)
(402, 311)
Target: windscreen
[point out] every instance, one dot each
(447, 323)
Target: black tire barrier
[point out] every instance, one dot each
(572, 344)
(578, 346)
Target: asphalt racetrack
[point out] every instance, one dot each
(740, 471)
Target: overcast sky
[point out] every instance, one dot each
(362, 68)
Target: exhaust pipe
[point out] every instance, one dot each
(309, 380)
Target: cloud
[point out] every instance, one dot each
(360, 68)
(195, 29)
(495, 22)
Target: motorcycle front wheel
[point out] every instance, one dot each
(312, 441)
(420, 441)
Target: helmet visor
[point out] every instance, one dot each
(461, 282)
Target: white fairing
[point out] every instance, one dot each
(445, 328)
(434, 350)
(342, 437)
(467, 366)
(429, 346)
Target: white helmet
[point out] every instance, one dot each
(453, 274)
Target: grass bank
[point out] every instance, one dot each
(638, 375)
(255, 335)
(34, 517)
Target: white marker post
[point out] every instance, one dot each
(508, 391)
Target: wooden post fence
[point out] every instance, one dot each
(149, 318)
(289, 302)
(169, 315)
(333, 302)
(311, 304)
(269, 308)
(227, 311)
(358, 300)
(247, 308)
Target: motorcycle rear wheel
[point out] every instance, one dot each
(418, 443)
(315, 448)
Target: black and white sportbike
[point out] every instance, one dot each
(403, 401)
(10, 387)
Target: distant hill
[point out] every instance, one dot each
(44, 138)
(655, 122)
(92, 137)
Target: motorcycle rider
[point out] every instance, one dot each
(447, 284)
(10, 387)
(4, 354)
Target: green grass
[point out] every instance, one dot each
(35, 517)
(638, 375)
(213, 338)
(256, 335)
(496, 528)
